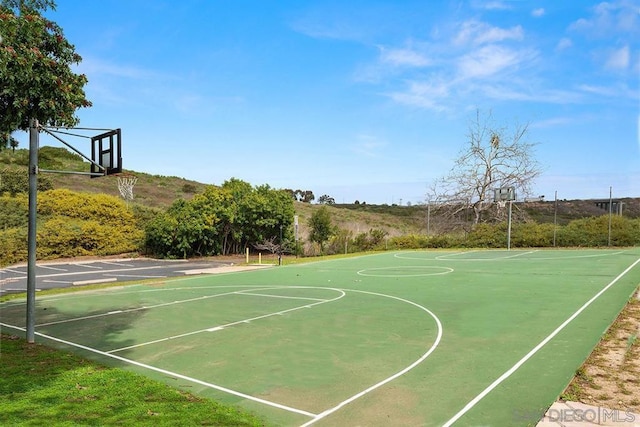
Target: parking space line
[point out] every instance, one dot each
(137, 276)
(51, 268)
(8, 270)
(116, 263)
(89, 266)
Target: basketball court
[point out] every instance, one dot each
(425, 338)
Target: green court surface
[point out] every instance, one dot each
(421, 338)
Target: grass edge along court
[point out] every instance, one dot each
(485, 337)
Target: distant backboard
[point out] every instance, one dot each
(504, 194)
(106, 152)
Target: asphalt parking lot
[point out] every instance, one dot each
(68, 274)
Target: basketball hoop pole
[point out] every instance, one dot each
(110, 154)
(509, 227)
(504, 195)
(31, 252)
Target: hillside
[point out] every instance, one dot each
(160, 191)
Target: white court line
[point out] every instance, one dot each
(497, 258)
(445, 270)
(519, 254)
(93, 316)
(515, 367)
(315, 417)
(278, 296)
(169, 373)
(227, 325)
(394, 376)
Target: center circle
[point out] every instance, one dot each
(406, 271)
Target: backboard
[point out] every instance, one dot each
(504, 194)
(106, 152)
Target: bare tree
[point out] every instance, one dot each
(493, 157)
(269, 245)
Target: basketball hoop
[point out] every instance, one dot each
(125, 186)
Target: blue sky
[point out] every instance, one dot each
(362, 100)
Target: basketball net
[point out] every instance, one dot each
(125, 186)
(502, 204)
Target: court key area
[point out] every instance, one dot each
(427, 338)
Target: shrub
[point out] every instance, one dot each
(14, 211)
(339, 241)
(16, 181)
(532, 235)
(13, 245)
(488, 236)
(69, 224)
(373, 239)
(189, 188)
(592, 231)
(89, 206)
(63, 237)
(410, 241)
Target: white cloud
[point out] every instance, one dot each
(610, 18)
(520, 91)
(619, 59)
(492, 5)
(538, 12)
(423, 94)
(490, 60)
(94, 66)
(478, 33)
(615, 91)
(552, 122)
(564, 43)
(368, 145)
(403, 57)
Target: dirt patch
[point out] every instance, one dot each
(389, 405)
(610, 377)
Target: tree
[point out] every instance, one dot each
(36, 80)
(321, 228)
(221, 220)
(305, 196)
(14, 144)
(493, 157)
(326, 200)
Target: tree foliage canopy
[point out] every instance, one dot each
(222, 220)
(36, 80)
(325, 199)
(321, 227)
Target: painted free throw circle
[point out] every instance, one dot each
(408, 271)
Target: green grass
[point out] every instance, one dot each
(42, 386)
